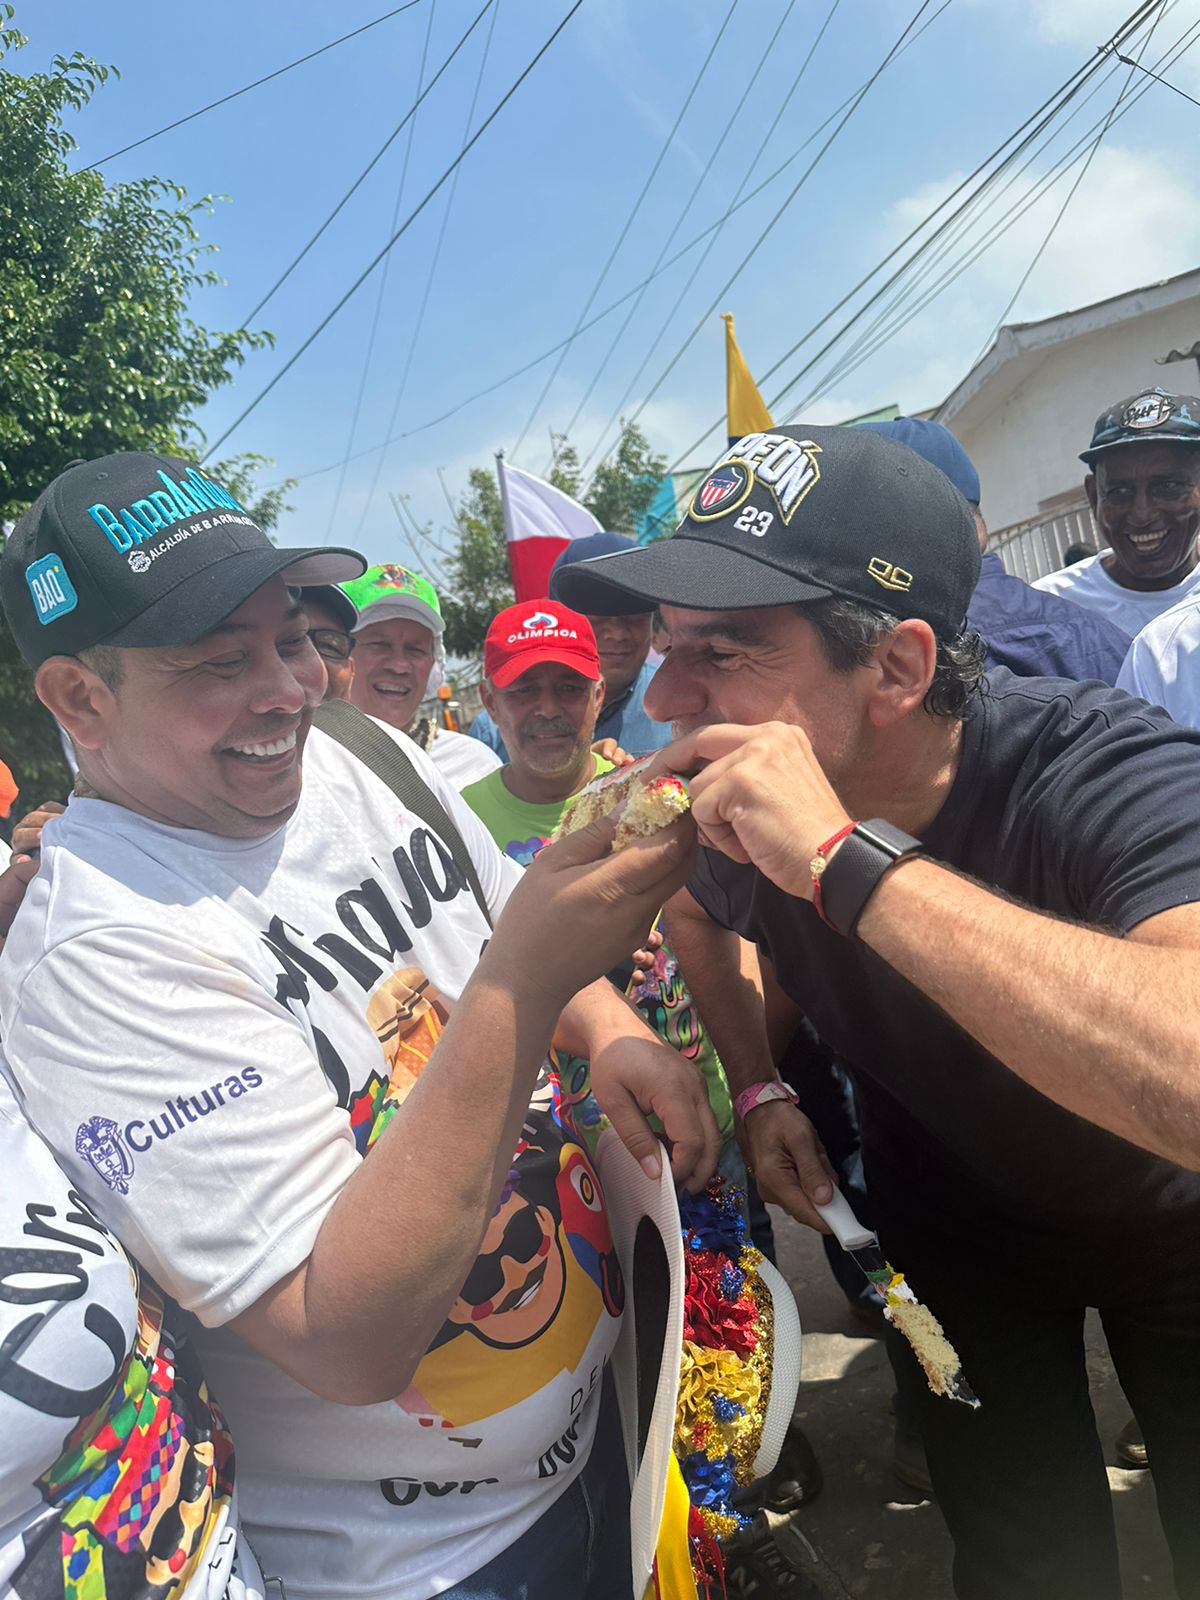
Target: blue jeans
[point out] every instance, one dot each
(580, 1547)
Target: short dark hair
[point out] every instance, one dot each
(850, 631)
(105, 661)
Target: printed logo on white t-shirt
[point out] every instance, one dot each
(108, 1149)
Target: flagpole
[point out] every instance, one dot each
(506, 515)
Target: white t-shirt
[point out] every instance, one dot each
(1087, 583)
(462, 760)
(108, 1440)
(207, 1031)
(1163, 664)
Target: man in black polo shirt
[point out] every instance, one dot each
(1006, 954)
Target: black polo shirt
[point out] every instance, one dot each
(1072, 798)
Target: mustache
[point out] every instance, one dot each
(551, 726)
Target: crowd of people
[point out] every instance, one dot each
(307, 1282)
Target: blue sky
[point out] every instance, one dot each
(543, 196)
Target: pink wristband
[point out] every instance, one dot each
(759, 1093)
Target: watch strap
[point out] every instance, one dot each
(869, 851)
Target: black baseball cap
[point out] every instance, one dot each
(1152, 416)
(796, 515)
(336, 601)
(139, 550)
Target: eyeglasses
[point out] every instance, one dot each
(331, 644)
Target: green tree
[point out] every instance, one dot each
(98, 350)
(624, 485)
(239, 474)
(475, 574)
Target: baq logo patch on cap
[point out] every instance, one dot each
(722, 491)
(53, 592)
(1147, 411)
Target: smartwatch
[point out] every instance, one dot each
(868, 851)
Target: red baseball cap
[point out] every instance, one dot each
(538, 630)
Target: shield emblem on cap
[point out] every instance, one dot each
(1147, 411)
(725, 488)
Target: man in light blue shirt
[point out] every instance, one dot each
(624, 644)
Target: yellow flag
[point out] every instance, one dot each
(745, 408)
(672, 1576)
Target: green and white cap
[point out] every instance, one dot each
(389, 591)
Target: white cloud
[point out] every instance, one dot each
(1134, 220)
(1091, 23)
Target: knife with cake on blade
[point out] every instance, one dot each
(938, 1357)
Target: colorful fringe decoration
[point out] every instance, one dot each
(725, 1372)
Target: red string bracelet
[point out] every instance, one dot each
(818, 864)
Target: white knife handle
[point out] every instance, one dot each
(848, 1230)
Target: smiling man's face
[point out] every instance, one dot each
(209, 735)
(392, 663)
(1146, 498)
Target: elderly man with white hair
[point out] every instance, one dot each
(398, 654)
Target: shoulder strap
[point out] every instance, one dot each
(386, 759)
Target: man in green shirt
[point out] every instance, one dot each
(544, 688)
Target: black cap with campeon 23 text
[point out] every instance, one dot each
(140, 550)
(795, 515)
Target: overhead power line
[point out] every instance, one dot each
(403, 228)
(684, 213)
(246, 88)
(977, 247)
(706, 233)
(621, 237)
(697, 266)
(867, 345)
(758, 243)
(1155, 76)
(1074, 189)
(381, 289)
(370, 166)
(1037, 122)
(431, 274)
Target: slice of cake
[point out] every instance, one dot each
(643, 805)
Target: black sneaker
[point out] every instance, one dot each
(771, 1560)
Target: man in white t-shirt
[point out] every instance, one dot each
(1163, 664)
(1144, 489)
(398, 654)
(221, 993)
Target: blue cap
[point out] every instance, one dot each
(938, 446)
(596, 544)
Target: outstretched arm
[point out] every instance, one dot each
(1109, 1028)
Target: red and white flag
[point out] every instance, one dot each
(540, 521)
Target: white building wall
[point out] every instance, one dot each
(1027, 447)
